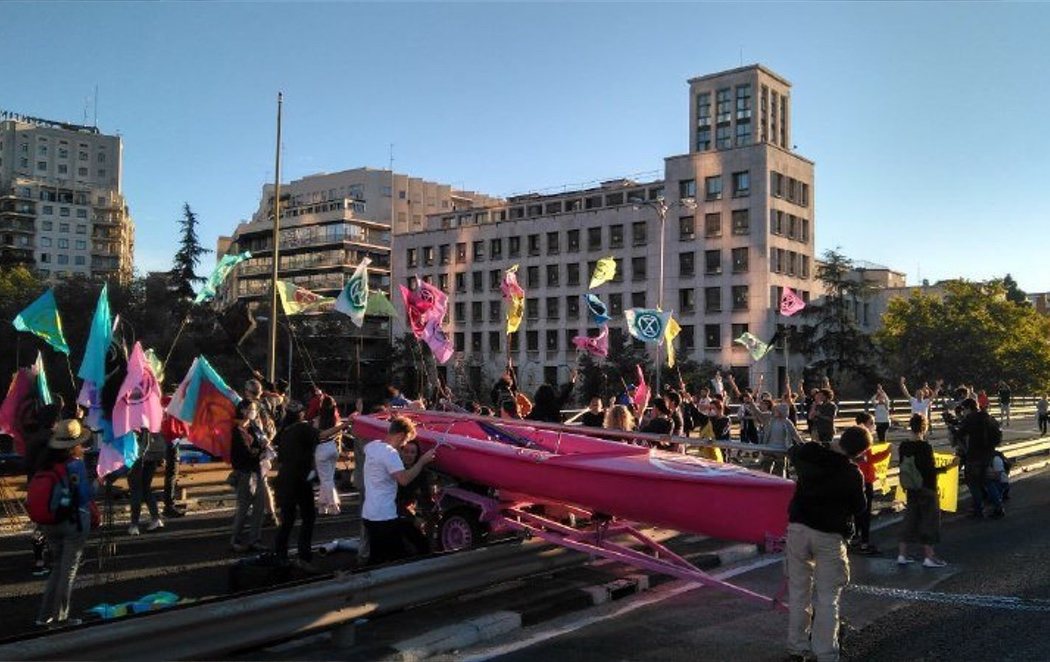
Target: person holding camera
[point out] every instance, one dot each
(247, 443)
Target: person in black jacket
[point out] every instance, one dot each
(922, 517)
(978, 433)
(829, 493)
(548, 403)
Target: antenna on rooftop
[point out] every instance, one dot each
(96, 106)
(741, 56)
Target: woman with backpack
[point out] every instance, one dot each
(60, 498)
(918, 476)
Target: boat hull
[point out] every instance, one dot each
(677, 491)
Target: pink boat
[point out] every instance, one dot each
(634, 483)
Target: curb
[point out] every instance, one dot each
(486, 627)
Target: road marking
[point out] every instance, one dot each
(959, 599)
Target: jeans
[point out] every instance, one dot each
(817, 570)
(292, 497)
(1043, 418)
(994, 489)
(251, 495)
(67, 542)
(140, 482)
(863, 518)
(171, 475)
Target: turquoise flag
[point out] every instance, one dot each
(42, 388)
(222, 270)
(93, 367)
(41, 318)
(647, 324)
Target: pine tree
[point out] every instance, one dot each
(183, 275)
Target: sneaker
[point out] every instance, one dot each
(933, 562)
(155, 524)
(133, 530)
(904, 560)
(41, 571)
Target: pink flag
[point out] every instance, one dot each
(436, 300)
(138, 400)
(641, 393)
(598, 346)
(415, 310)
(438, 342)
(509, 287)
(790, 303)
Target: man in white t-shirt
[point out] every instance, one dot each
(384, 471)
(717, 387)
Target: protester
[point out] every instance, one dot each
(660, 422)
(172, 429)
(1042, 414)
(717, 387)
(594, 417)
(980, 435)
(999, 478)
(922, 515)
(721, 425)
(828, 494)
(880, 403)
(922, 401)
(781, 434)
(548, 403)
(866, 463)
(327, 456)
(504, 396)
(982, 400)
(414, 503)
(822, 416)
(619, 417)
(247, 443)
(36, 441)
(140, 480)
(384, 471)
(394, 398)
(67, 537)
(1004, 403)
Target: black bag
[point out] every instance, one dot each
(256, 572)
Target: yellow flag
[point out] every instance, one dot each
(882, 466)
(295, 299)
(711, 453)
(707, 432)
(515, 312)
(671, 332)
(604, 271)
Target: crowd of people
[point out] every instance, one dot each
(284, 456)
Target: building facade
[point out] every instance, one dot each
(62, 207)
(715, 241)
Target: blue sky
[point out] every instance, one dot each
(927, 121)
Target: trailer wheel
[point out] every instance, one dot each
(459, 529)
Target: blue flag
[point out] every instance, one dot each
(222, 269)
(41, 318)
(599, 311)
(43, 391)
(93, 367)
(647, 324)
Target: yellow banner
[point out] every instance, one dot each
(947, 484)
(882, 466)
(515, 312)
(670, 333)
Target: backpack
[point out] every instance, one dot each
(1007, 464)
(910, 476)
(49, 497)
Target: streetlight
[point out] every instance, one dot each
(662, 207)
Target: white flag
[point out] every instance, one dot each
(353, 300)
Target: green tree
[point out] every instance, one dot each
(830, 337)
(973, 335)
(187, 258)
(1013, 290)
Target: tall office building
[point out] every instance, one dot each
(62, 208)
(716, 240)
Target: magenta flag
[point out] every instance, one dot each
(438, 341)
(509, 287)
(597, 346)
(641, 393)
(790, 303)
(415, 311)
(138, 400)
(436, 299)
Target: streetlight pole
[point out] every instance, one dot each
(271, 363)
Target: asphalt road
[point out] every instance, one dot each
(674, 622)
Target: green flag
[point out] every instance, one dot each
(756, 347)
(379, 304)
(41, 318)
(222, 269)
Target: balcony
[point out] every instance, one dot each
(16, 224)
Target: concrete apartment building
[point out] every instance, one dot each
(739, 226)
(62, 208)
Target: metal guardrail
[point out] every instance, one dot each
(246, 622)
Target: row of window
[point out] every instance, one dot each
(726, 135)
(788, 188)
(316, 259)
(555, 340)
(315, 282)
(48, 226)
(63, 258)
(788, 225)
(537, 209)
(312, 235)
(740, 182)
(62, 151)
(60, 169)
(79, 244)
(788, 262)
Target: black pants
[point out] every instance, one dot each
(880, 430)
(863, 518)
(1042, 423)
(171, 475)
(384, 540)
(293, 497)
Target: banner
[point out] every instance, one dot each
(790, 303)
(947, 484)
(41, 319)
(515, 311)
(222, 270)
(754, 346)
(604, 271)
(353, 300)
(597, 346)
(296, 300)
(597, 308)
(880, 453)
(647, 324)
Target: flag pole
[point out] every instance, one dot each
(271, 363)
(72, 379)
